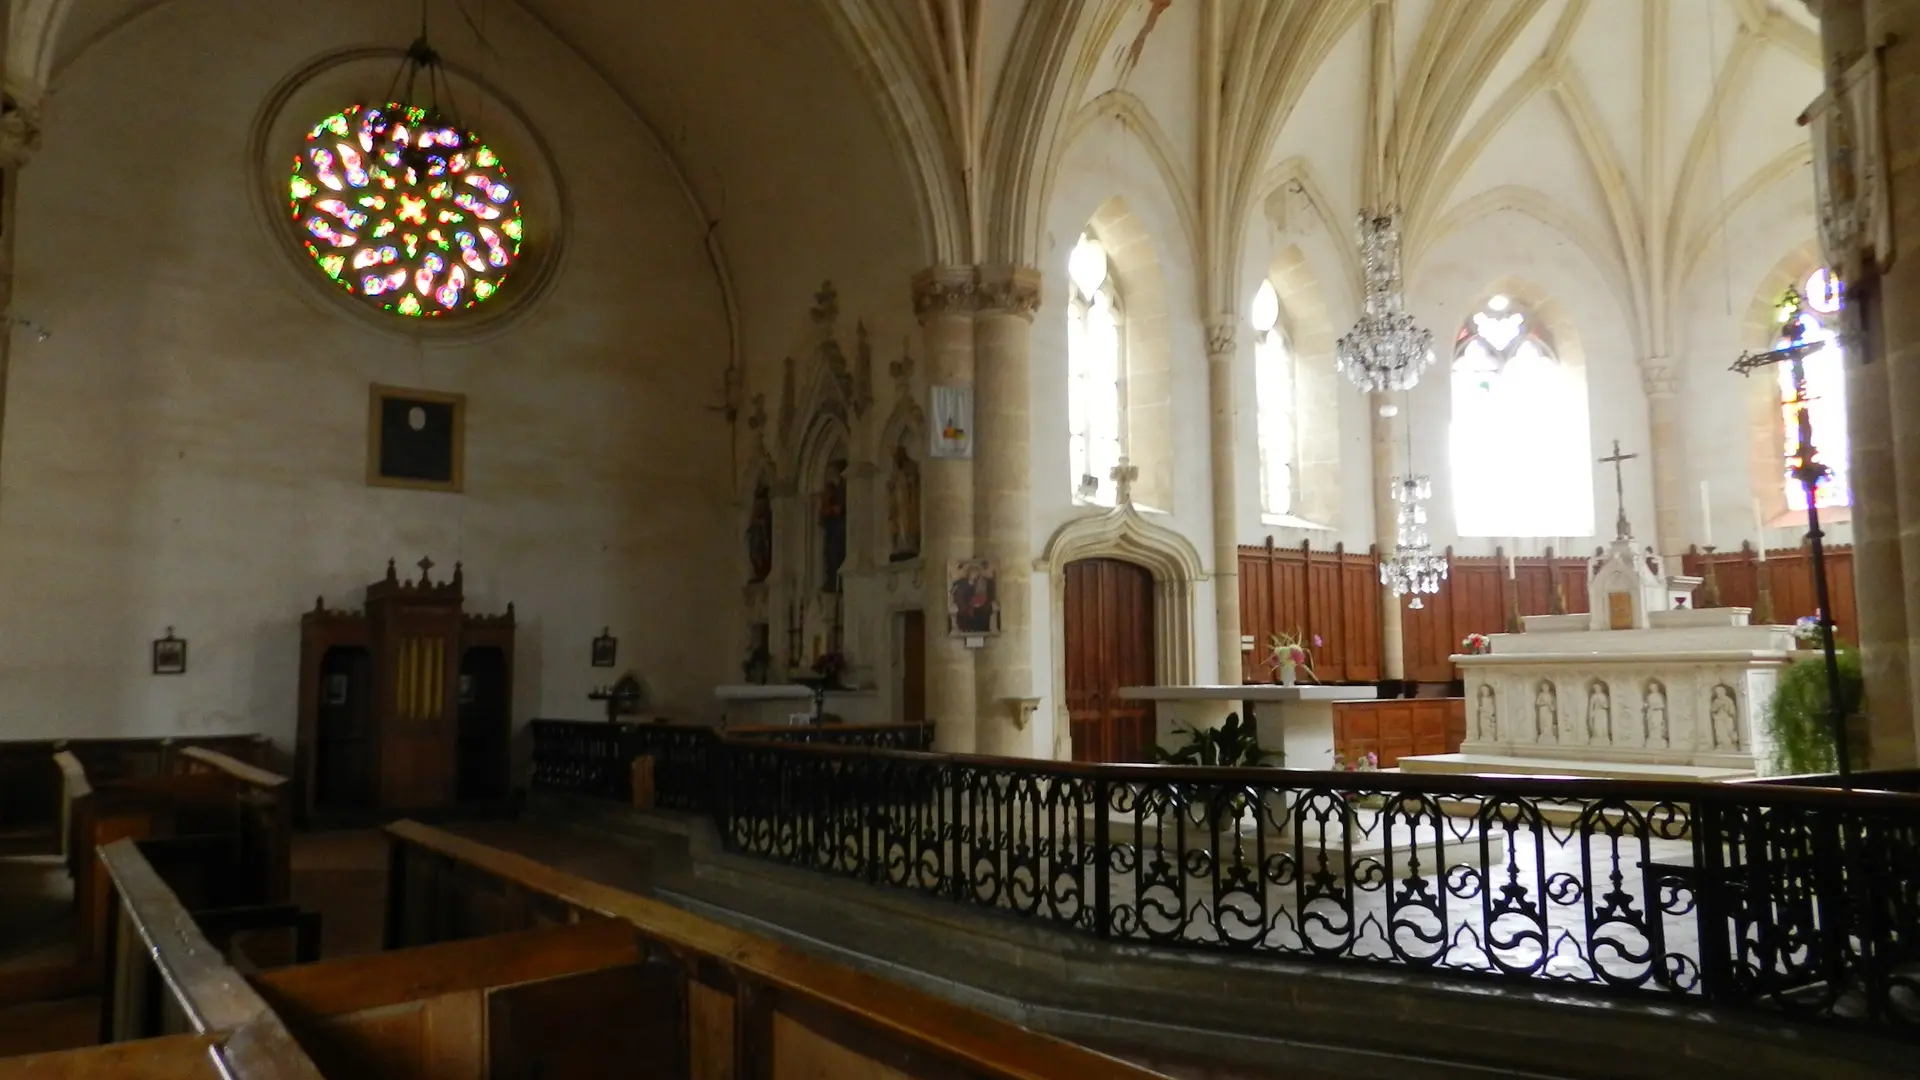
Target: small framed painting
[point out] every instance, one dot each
(605, 647)
(973, 599)
(169, 655)
(335, 692)
(416, 439)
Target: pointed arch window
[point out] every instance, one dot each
(1096, 365)
(1812, 321)
(1519, 430)
(1275, 401)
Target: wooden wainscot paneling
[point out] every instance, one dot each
(1298, 590)
(1788, 576)
(1478, 597)
(1397, 728)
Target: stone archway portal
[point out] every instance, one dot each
(1109, 631)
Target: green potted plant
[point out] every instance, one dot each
(1798, 721)
(1233, 745)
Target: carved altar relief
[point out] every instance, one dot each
(1723, 717)
(1486, 714)
(1599, 714)
(1653, 728)
(1546, 712)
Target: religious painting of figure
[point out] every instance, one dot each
(1484, 714)
(1656, 721)
(973, 598)
(1599, 714)
(903, 506)
(1546, 712)
(760, 533)
(1724, 713)
(833, 525)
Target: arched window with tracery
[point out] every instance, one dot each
(1096, 364)
(1275, 398)
(1519, 430)
(1809, 317)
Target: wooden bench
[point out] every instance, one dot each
(30, 803)
(217, 829)
(702, 999)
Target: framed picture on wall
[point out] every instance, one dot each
(973, 598)
(605, 647)
(416, 439)
(335, 691)
(169, 655)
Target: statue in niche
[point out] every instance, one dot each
(1656, 725)
(1599, 713)
(903, 506)
(760, 532)
(1724, 713)
(758, 664)
(1546, 712)
(833, 525)
(1485, 714)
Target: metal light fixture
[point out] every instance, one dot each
(1413, 568)
(1384, 350)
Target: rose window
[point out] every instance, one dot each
(404, 210)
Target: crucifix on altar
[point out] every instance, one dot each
(1621, 530)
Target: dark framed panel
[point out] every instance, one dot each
(416, 439)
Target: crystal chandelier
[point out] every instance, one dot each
(1413, 567)
(1384, 350)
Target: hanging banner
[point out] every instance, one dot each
(951, 423)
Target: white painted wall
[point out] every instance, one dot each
(188, 448)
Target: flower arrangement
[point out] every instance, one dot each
(1367, 762)
(1476, 644)
(1288, 653)
(1806, 629)
(830, 666)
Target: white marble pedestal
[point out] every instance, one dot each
(1297, 721)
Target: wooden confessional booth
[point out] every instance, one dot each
(405, 707)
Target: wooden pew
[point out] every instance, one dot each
(170, 990)
(30, 802)
(219, 831)
(742, 1005)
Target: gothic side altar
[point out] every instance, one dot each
(1642, 686)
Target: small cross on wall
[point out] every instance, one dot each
(425, 564)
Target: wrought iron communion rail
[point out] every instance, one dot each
(1797, 899)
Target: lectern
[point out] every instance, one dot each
(405, 706)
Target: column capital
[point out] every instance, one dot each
(943, 290)
(1658, 377)
(1008, 290)
(19, 134)
(1220, 336)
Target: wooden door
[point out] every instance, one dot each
(913, 667)
(1109, 644)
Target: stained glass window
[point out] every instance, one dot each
(1519, 431)
(404, 210)
(1094, 359)
(1274, 396)
(1810, 321)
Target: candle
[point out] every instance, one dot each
(1706, 516)
(1759, 532)
(1510, 562)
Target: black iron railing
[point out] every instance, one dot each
(1804, 900)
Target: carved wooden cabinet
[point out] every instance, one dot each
(406, 705)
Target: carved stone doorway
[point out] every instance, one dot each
(1109, 629)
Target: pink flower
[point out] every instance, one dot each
(1316, 641)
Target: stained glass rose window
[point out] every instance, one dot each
(406, 210)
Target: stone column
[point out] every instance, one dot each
(1668, 451)
(19, 138)
(1883, 389)
(1387, 463)
(943, 300)
(1226, 497)
(1003, 497)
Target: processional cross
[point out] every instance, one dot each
(1622, 531)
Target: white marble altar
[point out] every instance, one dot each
(788, 703)
(1635, 683)
(1294, 720)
